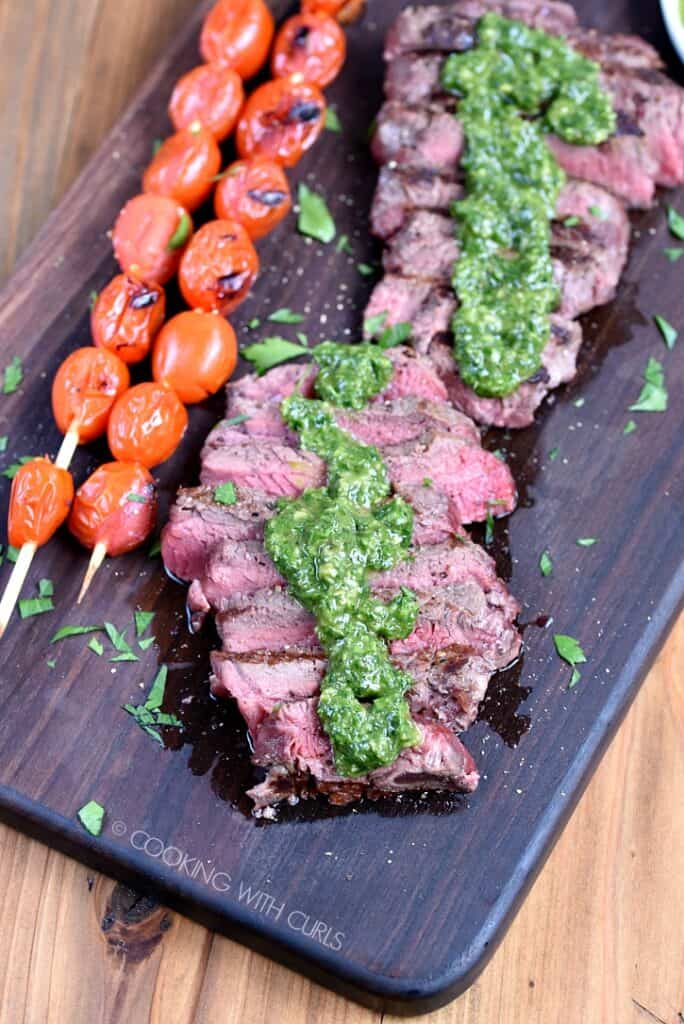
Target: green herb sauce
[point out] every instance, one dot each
(516, 85)
(348, 375)
(325, 543)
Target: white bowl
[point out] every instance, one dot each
(672, 13)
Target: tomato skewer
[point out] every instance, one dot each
(114, 511)
(41, 497)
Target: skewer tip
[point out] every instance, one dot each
(96, 559)
(15, 583)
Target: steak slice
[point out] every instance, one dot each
(428, 308)
(399, 421)
(399, 191)
(292, 745)
(260, 464)
(559, 365)
(424, 248)
(426, 138)
(197, 524)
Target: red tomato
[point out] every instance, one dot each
(149, 236)
(344, 10)
(84, 390)
(211, 94)
(239, 33)
(116, 506)
(40, 500)
(281, 120)
(184, 167)
(255, 193)
(126, 317)
(218, 267)
(146, 424)
(312, 45)
(194, 354)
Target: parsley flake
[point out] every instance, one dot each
(374, 324)
(675, 222)
(597, 212)
(315, 219)
(30, 606)
(234, 420)
(570, 651)
(149, 714)
(553, 454)
(139, 498)
(91, 816)
(254, 323)
(365, 269)
(96, 646)
(545, 564)
(225, 493)
(668, 332)
(13, 376)
(332, 120)
(286, 316)
(571, 222)
(674, 254)
(344, 245)
(396, 334)
(271, 352)
(653, 397)
(630, 427)
(155, 549)
(489, 528)
(587, 542)
(3, 443)
(67, 631)
(143, 620)
(181, 234)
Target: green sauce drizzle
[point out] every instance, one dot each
(325, 543)
(349, 375)
(516, 85)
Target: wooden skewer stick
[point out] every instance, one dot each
(68, 447)
(96, 559)
(15, 583)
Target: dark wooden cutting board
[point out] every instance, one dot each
(397, 903)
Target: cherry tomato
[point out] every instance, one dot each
(312, 45)
(239, 33)
(344, 10)
(194, 354)
(255, 193)
(127, 315)
(184, 167)
(116, 506)
(40, 500)
(85, 388)
(218, 267)
(146, 424)
(211, 94)
(281, 119)
(149, 236)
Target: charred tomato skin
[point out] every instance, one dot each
(146, 424)
(127, 315)
(145, 235)
(255, 193)
(85, 388)
(40, 500)
(218, 267)
(344, 10)
(116, 506)
(194, 354)
(239, 33)
(211, 94)
(312, 45)
(184, 167)
(281, 120)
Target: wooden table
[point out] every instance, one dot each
(601, 938)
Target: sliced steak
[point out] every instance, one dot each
(424, 248)
(443, 565)
(414, 376)
(428, 308)
(435, 516)
(426, 138)
(292, 745)
(260, 464)
(270, 621)
(400, 191)
(197, 524)
(559, 365)
(260, 682)
(403, 420)
(234, 572)
(448, 688)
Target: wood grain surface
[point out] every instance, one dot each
(599, 940)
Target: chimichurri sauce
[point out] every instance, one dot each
(515, 86)
(325, 543)
(348, 375)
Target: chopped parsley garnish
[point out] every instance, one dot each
(597, 212)
(67, 631)
(92, 299)
(139, 498)
(396, 334)
(653, 397)
(225, 494)
(286, 316)
(668, 332)
(181, 234)
(12, 553)
(156, 146)
(3, 443)
(51, 662)
(96, 646)
(570, 651)
(553, 454)
(143, 620)
(155, 549)
(343, 245)
(365, 269)
(254, 323)
(11, 471)
(91, 816)
(272, 351)
(46, 588)
(545, 564)
(630, 427)
(571, 222)
(427, 482)
(674, 254)
(31, 606)
(315, 219)
(579, 402)
(675, 222)
(119, 643)
(13, 376)
(587, 542)
(489, 528)
(146, 643)
(234, 420)
(149, 715)
(302, 338)
(374, 324)
(332, 120)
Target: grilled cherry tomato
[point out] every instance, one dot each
(344, 10)
(255, 193)
(211, 94)
(116, 506)
(85, 388)
(146, 424)
(40, 500)
(184, 167)
(218, 267)
(149, 236)
(127, 315)
(194, 354)
(312, 45)
(281, 120)
(239, 33)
